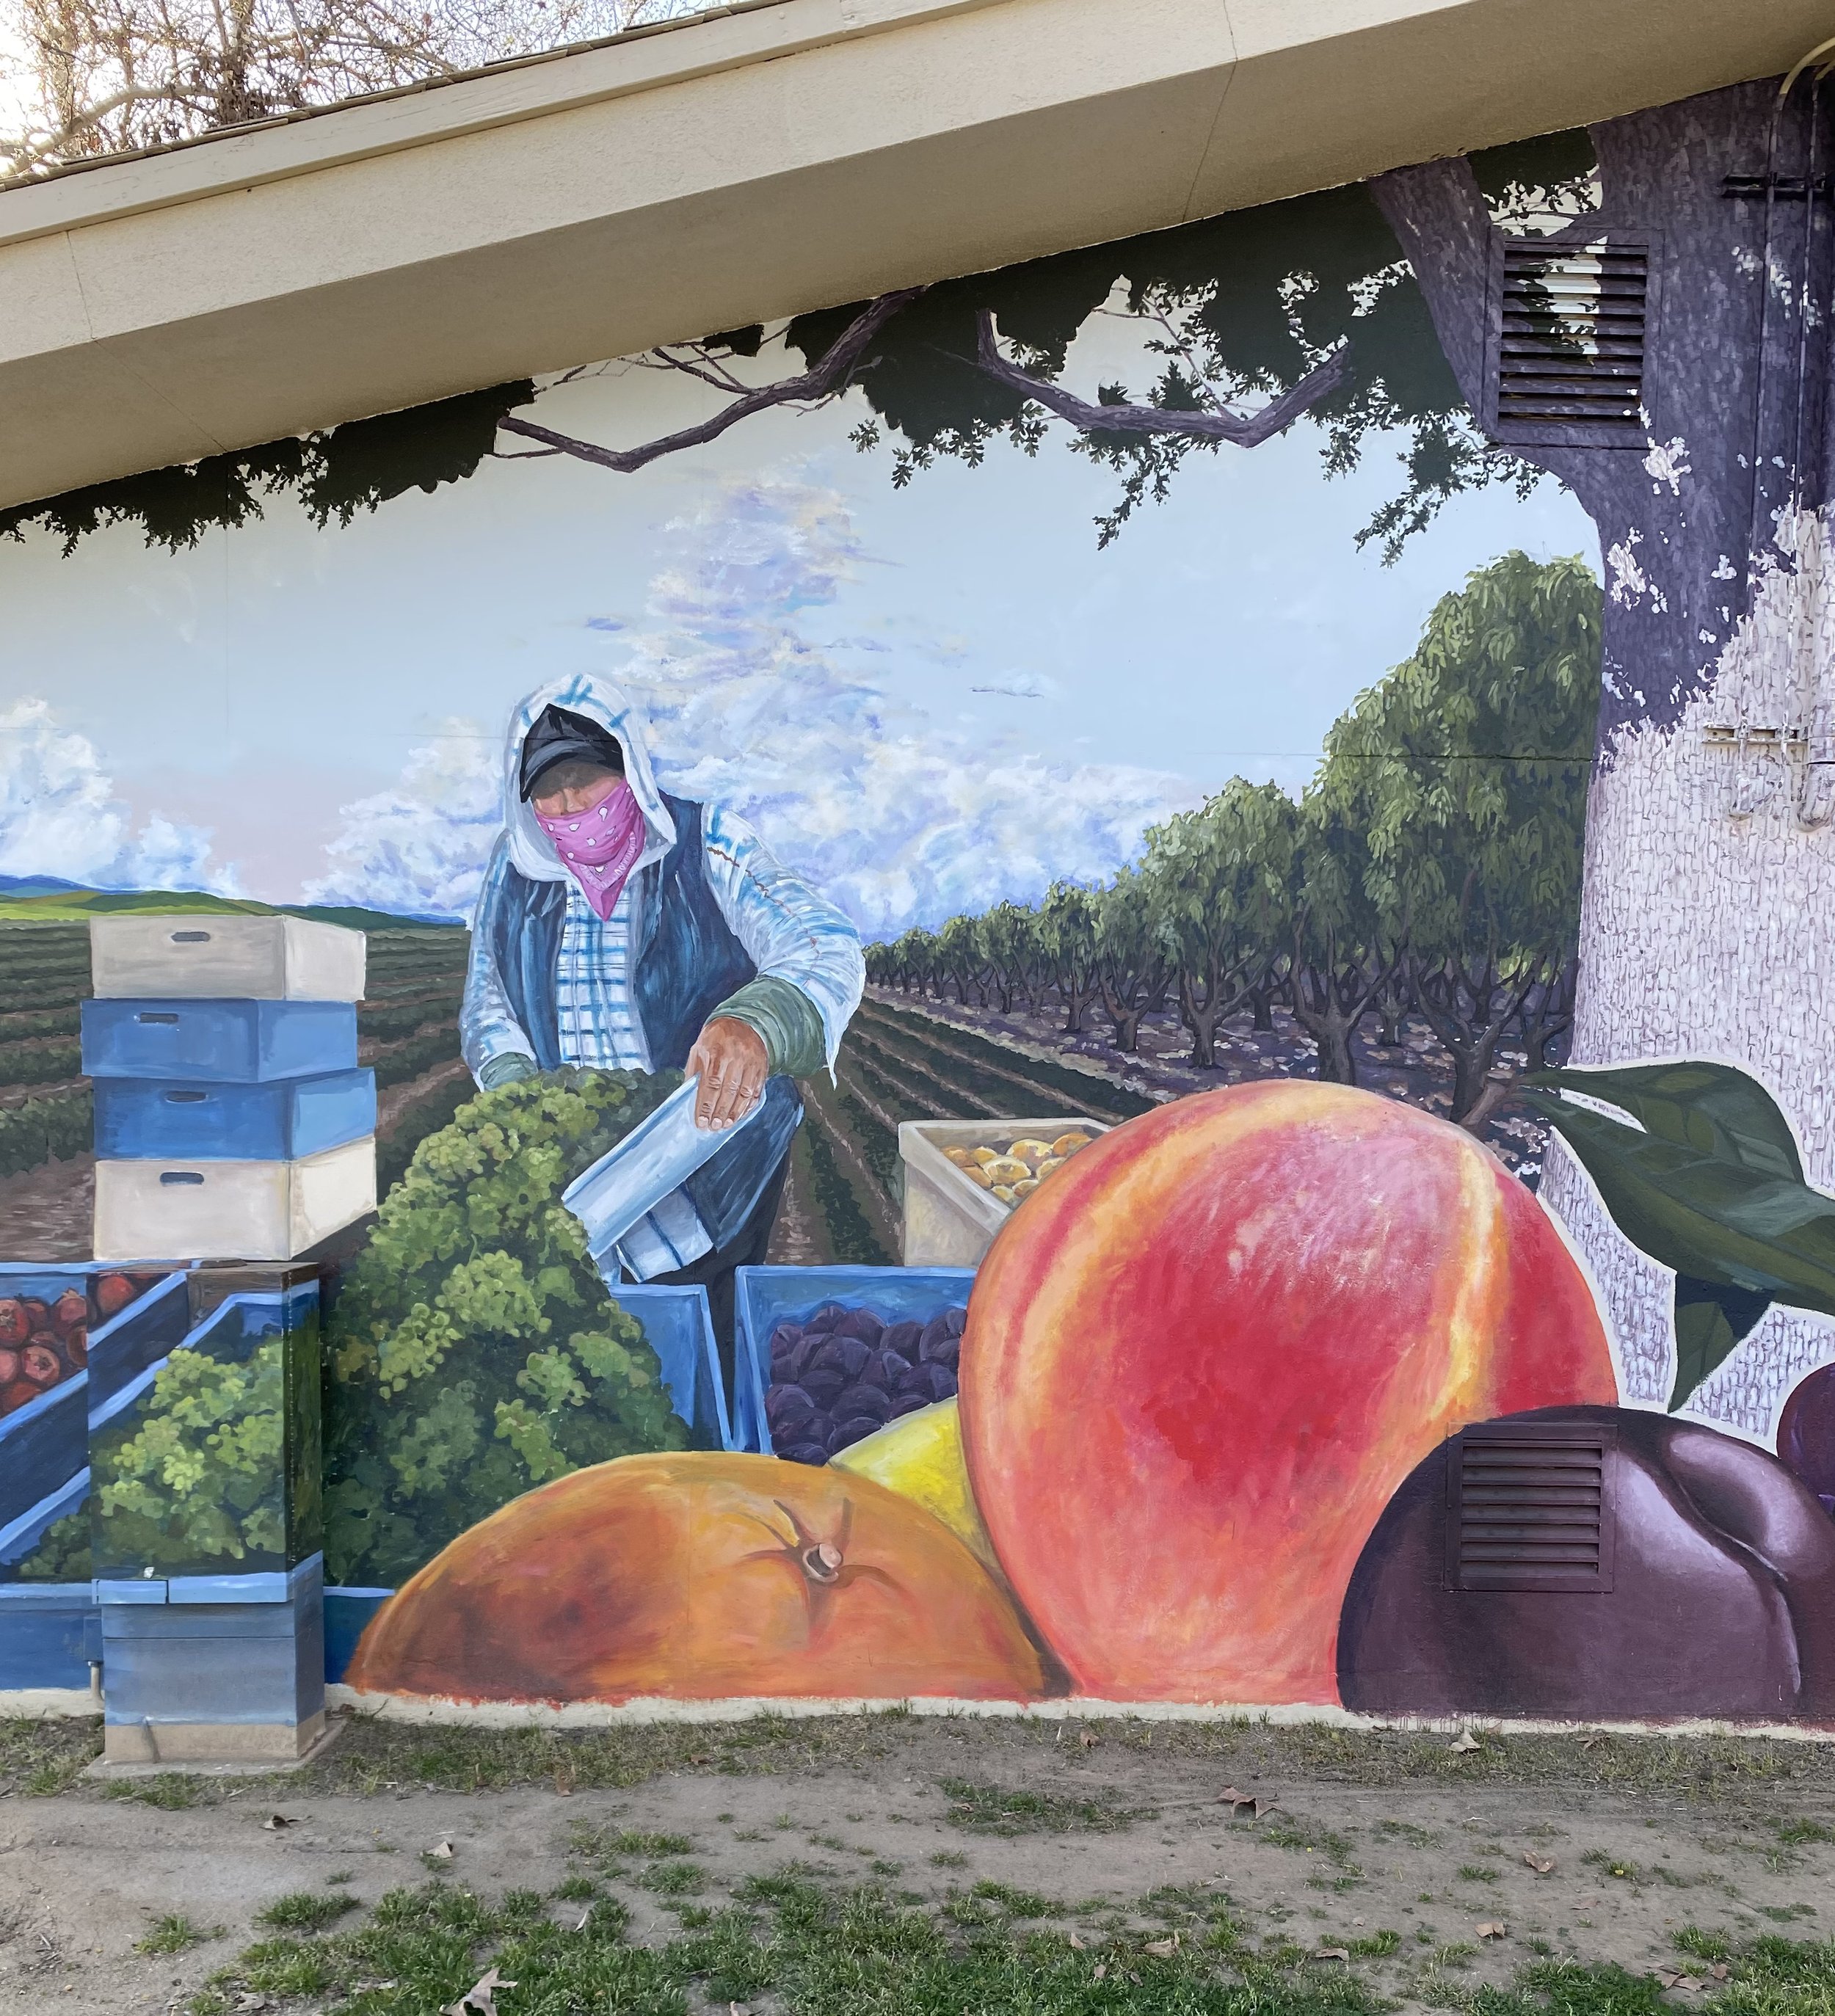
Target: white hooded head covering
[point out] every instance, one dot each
(531, 849)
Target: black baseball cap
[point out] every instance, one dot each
(561, 736)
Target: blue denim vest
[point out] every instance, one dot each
(685, 961)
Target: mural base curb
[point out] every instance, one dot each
(42, 1703)
(607, 1715)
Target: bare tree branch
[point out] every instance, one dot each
(1244, 429)
(828, 375)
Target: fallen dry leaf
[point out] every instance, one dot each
(1719, 1970)
(1676, 1977)
(1164, 1948)
(441, 1851)
(275, 1822)
(1465, 1741)
(1333, 1953)
(584, 1916)
(1079, 1943)
(480, 1998)
(1088, 1738)
(1542, 1864)
(1258, 1803)
(1493, 1928)
(250, 2003)
(699, 1757)
(1100, 1969)
(1356, 1921)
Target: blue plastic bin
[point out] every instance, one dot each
(347, 1612)
(218, 1042)
(147, 1119)
(50, 1633)
(679, 1326)
(768, 1296)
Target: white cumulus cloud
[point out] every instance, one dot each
(898, 818)
(421, 847)
(60, 816)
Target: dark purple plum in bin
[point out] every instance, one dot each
(871, 1402)
(822, 1383)
(1806, 1433)
(787, 1408)
(845, 1355)
(1704, 1584)
(845, 1433)
(885, 1369)
(931, 1382)
(956, 1319)
(939, 1341)
(862, 1323)
(904, 1338)
(825, 1319)
(787, 1352)
(806, 1452)
(906, 1403)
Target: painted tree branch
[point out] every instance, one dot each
(1242, 430)
(829, 374)
(1437, 213)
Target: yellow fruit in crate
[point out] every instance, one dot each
(920, 1456)
(1026, 1189)
(1029, 1151)
(1005, 1192)
(1049, 1163)
(977, 1175)
(1007, 1169)
(984, 1156)
(1068, 1144)
(960, 1156)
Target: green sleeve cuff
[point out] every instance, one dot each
(796, 1045)
(506, 1068)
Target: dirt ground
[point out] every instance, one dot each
(1391, 1856)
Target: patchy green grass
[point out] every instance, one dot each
(305, 1911)
(673, 1879)
(175, 1934)
(809, 1947)
(173, 1791)
(42, 1755)
(985, 1809)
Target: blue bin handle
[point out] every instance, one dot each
(180, 1176)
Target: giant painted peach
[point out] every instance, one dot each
(1200, 1360)
(702, 1576)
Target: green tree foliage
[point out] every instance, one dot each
(473, 1353)
(1466, 771)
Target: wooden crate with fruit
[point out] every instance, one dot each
(963, 1178)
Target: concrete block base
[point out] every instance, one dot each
(138, 1749)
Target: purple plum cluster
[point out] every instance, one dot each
(844, 1373)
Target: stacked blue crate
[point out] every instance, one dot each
(232, 1119)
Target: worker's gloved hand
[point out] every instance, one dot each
(731, 1062)
(506, 1069)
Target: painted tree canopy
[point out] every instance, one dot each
(1248, 321)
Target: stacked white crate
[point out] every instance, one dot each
(211, 1209)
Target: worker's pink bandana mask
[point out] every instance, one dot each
(600, 847)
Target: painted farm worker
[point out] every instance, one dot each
(623, 928)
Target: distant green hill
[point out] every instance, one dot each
(65, 906)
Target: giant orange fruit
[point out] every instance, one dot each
(1201, 1358)
(706, 1577)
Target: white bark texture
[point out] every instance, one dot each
(1708, 931)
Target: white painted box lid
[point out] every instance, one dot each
(177, 954)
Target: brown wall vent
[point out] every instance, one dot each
(1529, 1506)
(1570, 323)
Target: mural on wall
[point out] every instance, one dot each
(985, 996)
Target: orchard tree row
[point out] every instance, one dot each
(1432, 866)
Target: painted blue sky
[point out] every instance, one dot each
(928, 697)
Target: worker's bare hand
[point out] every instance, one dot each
(729, 1057)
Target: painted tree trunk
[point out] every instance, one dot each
(1708, 913)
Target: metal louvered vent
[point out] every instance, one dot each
(1569, 361)
(1529, 1507)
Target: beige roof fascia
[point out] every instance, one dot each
(766, 160)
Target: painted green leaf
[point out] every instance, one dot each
(1711, 1186)
(1715, 1107)
(1711, 1321)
